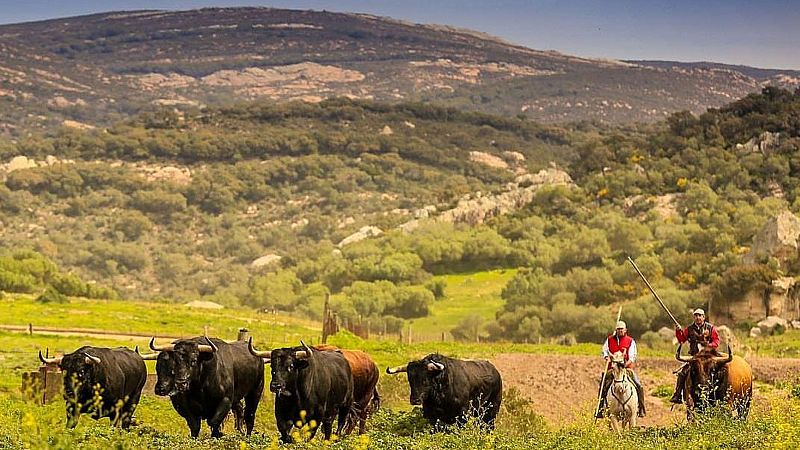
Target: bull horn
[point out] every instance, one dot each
(147, 357)
(435, 366)
(680, 358)
(303, 354)
(92, 359)
(44, 360)
(210, 348)
(160, 348)
(398, 369)
(726, 358)
(265, 354)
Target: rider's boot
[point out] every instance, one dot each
(640, 393)
(677, 397)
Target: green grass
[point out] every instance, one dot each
(785, 345)
(775, 423)
(150, 318)
(466, 294)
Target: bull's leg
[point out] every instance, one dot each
(215, 421)
(251, 405)
(327, 429)
(126, 413)
(285, 429)
(238, 416)
(73, 414)
(342, 421)
(194, 425)
(362, 421)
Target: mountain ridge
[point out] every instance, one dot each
(97, 69)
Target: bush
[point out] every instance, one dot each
(468, 329)
(51, 295)
(437, 288)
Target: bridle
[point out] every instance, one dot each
(624, 379)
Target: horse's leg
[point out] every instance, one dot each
(615, 425)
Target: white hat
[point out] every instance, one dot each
(699, 311)
(621, 324)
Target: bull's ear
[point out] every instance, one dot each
(301, 363)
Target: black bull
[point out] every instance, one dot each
(309, 385)
(206, 378)
(713, 378)
(106, 382)
(450, 390)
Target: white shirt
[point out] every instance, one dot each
(632, 353)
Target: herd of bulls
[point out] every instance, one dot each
(207, 378)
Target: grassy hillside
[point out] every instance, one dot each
(473, 297)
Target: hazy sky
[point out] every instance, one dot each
(763, 33)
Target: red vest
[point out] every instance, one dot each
(623, 345)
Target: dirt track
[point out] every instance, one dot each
(564, 388)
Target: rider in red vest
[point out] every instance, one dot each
(620, 342)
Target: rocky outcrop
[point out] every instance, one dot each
(726, 336)
(667, 334)
(477, 209)
(778, 238)
(765, 143)
(488, 159)
(265, 260)
(23, 162)
(204, 305)
(363, 233)
(772, 325)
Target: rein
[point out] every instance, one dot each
(630, 391)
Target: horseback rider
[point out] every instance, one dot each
(620, 342)
(700, 334)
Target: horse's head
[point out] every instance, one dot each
(618, 365)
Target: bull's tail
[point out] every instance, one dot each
(358, 414)
(375, 404)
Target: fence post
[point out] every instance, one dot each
(244, 335)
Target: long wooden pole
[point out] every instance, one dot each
(653, 291)
(605, 371)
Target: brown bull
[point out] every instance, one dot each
(713, 378)
(365, 392)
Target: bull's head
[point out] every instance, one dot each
(706, 380)
(79, 380)
(285, 364)
(179, 363)
(423, 375)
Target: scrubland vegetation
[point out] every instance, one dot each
(681, 197)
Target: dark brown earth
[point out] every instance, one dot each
(563, 388)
